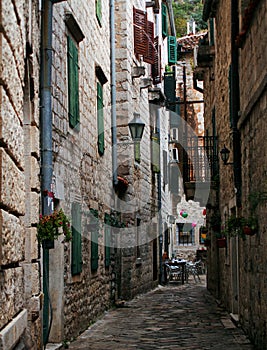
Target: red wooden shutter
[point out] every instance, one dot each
(156, 67)
(149, 57)
(140, 35)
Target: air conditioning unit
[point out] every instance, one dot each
(174, 134)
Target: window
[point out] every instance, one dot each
(73, 83)
(100, 119)
(98, 9)
(94, 228)
(143, 36)
(76, 243)
(164, 20)
(186, 234)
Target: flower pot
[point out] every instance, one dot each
(221, 242)
(247, 230)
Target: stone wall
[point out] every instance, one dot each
(239, 278)
(85, 176)
(20, 292)
(253, 121)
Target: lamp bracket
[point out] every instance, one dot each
(145, 83)
(138, 71)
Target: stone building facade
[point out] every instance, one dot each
(20, 271)
(231, 61)
(67, 95)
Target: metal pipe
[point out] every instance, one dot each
(46, 105)
(235, 100)
(113, 93)
(161, 276)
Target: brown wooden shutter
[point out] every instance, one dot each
(156, 67)
(140, 35)
(149, 56)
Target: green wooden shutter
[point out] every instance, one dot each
(76, 258)
(164, 20)
(172, 50)
(107, 239)
(99, 10)
(170, 89)
(94, 239)
(100, 120)
(155, 143)
(211, 31)
(165, 167)
(73, 83)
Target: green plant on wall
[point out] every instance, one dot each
(48, 227)
(240, 226)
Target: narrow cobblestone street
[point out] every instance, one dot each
(171, 317)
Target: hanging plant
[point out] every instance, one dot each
(48, 227)
(240, 226)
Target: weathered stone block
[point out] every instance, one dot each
(11, 131)
(35, 279)
(9, 75)
(34, 243)
(12, 184)
(12, 294)
(35, 141)
(10, 335)
(35, 171)
(35, 207)
(12, 233)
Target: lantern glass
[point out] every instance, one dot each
(225, 153)
(136, 127)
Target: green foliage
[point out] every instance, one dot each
(183, 11)
(47, 228)
(235, 226)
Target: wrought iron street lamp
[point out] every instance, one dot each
(225, 153)
(136, 127)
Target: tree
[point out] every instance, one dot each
(186, 10)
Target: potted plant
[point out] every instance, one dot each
(240, 226)
(221, 242)
(48, 228)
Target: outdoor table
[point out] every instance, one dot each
(178, 263)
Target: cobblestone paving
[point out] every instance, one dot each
(171, 317)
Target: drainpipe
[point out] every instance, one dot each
(46, 144)
(161, 276)
(46, 106)
(235, 98)
(113, 93)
